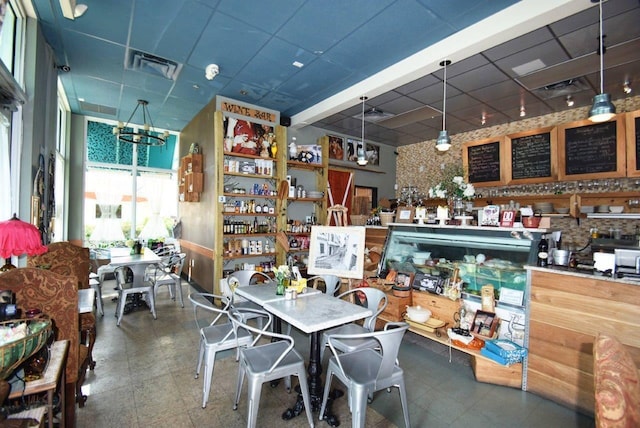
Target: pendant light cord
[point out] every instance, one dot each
(363, 100)
(601, 51)
(444, 97)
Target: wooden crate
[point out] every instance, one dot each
(491, 372)
(441, 307)
(396, 307)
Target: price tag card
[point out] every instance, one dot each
(490, 215)
(507, 217)
(511, 296)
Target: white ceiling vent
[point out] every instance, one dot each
(151, 64)
(561, 89)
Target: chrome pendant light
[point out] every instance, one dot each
(602, 109)
(362, 158)
(443, 143)
(145, 135)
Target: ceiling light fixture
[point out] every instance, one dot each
(627, 87)
(443, 143)
(523, 112)
(484, 119)
(570, 101)
(145, 135)
(71, 10)
(362, 158)
(602, 108)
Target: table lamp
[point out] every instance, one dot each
(18, 238)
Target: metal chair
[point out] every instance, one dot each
(264, 363)
(376, 300)
(331, 283)
(171, 277)
(241, 278)
(126, 289)
(366, 371)
(217, 335)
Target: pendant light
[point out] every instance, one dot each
(362, 158)
(443, 143)
(602, 109)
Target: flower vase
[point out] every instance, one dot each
(456, 206)
(283, 283)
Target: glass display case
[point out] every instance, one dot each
(478, 255)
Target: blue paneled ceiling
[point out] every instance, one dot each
(388, 50)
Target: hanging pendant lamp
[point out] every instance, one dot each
(443, 143)
(362, 158)
(146, 135)
(602, 109)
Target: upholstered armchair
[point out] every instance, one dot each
(56, 296)
(68, 259)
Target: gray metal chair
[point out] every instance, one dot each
(217, 335)
(376, 300)
(365, 371)
(241, 278)
(170, 276)
(126, 289)
(331, 283)
(264, 363)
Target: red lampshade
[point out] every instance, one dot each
(18, 237)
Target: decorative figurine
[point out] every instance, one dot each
(293, 149)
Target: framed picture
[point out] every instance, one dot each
(35, 210)
(337, 251)
(336, 147)
(352, 149)
(404, 214)
(372, 152)
(427, 282)
(484, 324)
(404, 279)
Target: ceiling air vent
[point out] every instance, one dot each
(151, 64)
(373, 115)
(561, 89)
(97, 108)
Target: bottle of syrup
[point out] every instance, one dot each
(543, 251)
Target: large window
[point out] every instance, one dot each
(130, 190)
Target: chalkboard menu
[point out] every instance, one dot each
(591, 149)
(531, 156)
(637, 136)
(484, 162)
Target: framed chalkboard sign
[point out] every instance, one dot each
(482, 161)
(590, 150)
(633, 143)
(532, 156)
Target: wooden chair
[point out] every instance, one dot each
(56, 296)
(340, 217)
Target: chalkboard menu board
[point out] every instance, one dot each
(637, 136)
(531, 156)
(484, 162)
(591, 149)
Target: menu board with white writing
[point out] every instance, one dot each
(531, 156)
(482, 162)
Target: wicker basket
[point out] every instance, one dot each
(386, 218)
(13, 353)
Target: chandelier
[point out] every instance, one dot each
(145, 135)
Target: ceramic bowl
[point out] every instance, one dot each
(616, 209)
(418, 313)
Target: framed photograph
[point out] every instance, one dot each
(372, 152)
(35, 210)
(484, 324)
(404, 279)
(426, 282)
(352, 149)
(405, 214)
(337, 251)
(336, 147)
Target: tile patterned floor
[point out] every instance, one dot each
(144, 377)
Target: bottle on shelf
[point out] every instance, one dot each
(543, 251)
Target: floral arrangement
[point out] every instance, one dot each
(452, 184)
(282, 272)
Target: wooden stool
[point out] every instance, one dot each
(341, 215)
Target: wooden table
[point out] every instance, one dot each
(52, 376)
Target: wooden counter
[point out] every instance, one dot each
(567, 310)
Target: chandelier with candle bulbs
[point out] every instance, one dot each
(145, 135)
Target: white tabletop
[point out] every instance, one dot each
(263, 293)
(148, 257)
(86, 297)
(317, 312)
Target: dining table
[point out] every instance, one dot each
(313, 314)
(138, 263)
